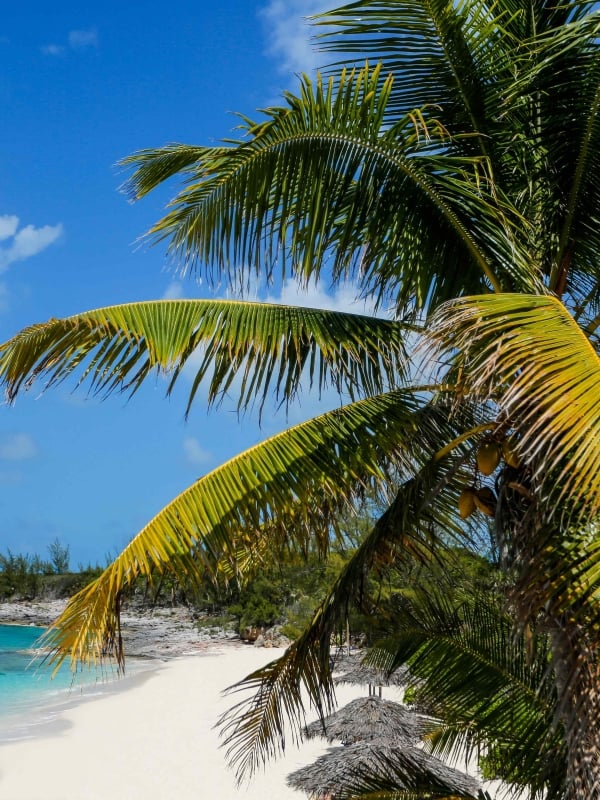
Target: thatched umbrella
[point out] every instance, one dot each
(354, 671)
(379, 765)
(368, 718)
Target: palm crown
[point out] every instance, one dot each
(456, 182)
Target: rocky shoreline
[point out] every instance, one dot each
(147, 633)
(153, 633)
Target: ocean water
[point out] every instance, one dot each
(29, 696)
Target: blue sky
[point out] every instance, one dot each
(81, 86)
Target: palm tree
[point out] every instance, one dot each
(457, 183)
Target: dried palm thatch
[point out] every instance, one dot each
(352, 670)
(380, 765)
(368, 718)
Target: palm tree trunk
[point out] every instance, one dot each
(528, 550)
(577, 675)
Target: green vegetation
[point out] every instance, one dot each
(28, 577)
(455, 178)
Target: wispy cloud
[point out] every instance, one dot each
(8, 226)
(289, 33)
(174, 291)
(17, 447)
(76, 40)
(79, 40)
(20, 244)
(194, 452)
(53, 49)
(345, 297)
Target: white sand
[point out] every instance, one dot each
(153, 741)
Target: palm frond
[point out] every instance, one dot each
(325, 179)
(333, 457)
(490, 687)
(423, 511)
(270, 348)
(529, 355)
(440, 53)
(558, 71)
(155, 166)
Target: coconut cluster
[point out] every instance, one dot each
(490, 453)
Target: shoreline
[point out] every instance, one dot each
(158, 633)
(41, 715)
(152, 738)
(151, 637)
(153, 734)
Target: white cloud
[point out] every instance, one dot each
(26, 242)
(345, 298)
(289, 33)
(8, 226)
(17, 447)
(52, 49)
(194, 452)
(78, 40)
(174, 291)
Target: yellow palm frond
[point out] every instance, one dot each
(255, 728)
(295, 483)
(528, 355)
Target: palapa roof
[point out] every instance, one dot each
(368, 718)
(352, 670)
(343, 771)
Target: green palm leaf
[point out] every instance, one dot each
(268, 347)
(222, 516)
(490, 687)
(326, 180)
(440, 53)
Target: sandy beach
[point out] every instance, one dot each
(150, 740)
(151, 735)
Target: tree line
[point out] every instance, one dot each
(25, 576)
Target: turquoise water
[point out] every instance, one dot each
(28, 695)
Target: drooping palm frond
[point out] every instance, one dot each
(325, 180)
(270, 348)
(160, 164)
(490, 688)
(296, 481)
(529, 354)
(424, 509)
(510, 76)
